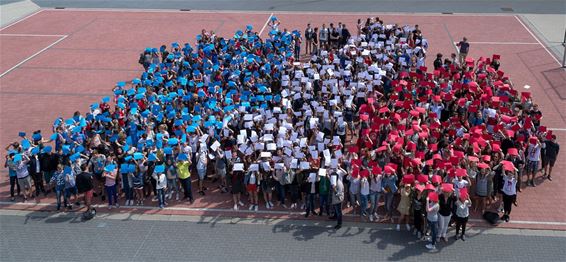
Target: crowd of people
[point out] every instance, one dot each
(356, 121)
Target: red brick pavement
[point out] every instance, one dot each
(102, 48)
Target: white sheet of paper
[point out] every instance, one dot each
(215, 146)
(238, 167)
(305, 165)
(271, 146)
(322, 172)
(254, 167)
(279, 166)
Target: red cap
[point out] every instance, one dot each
(430, 187)
(513, 151)
(433, 196)
(483, 165)
(408, 179)
(463, 194)
(422, 178)
(420, 188)
(436, 179)
(447, 187)
(461, 172)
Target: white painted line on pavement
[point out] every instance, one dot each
(204, 11)
(32, 56)
(502, 43)
(265, 25)
(21, 20)
(556, 129)
(536, 38)
(31, 35)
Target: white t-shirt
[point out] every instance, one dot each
(533, 152)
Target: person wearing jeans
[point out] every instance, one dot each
(13, 177)
(389, 186)
(185, 178)
(58, 179)
(364, 195)
(337, 198)
(323, 193)
(432, 208)
(374, 195)
(161, 179)
(110, 186)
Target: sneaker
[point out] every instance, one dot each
(267, 205)
(371, 218)
(12, 199)
(236, 207)
(271, 204)
(463, 237)
(256, 208)
(154, 199)
(161, 207)
(177, 197)
(240, 203)
(419, 235)
(338, 227)
(109, 206)
(303, 206)
(398, 227)
(430, 247)
(414, 232)
(408, 227)
(456, 237)
(117, 205)
(284, 206)
(251, 207)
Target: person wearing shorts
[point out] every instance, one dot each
(551, 154)
(251, 186)
(22, 173)
(533, 159)
(202, 162)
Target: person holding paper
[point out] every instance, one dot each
(221, 165)
(324, 193)
(202, 163)
(252, 180)
(311, 194)
(161, 184)
(110, 185)
(337, 198)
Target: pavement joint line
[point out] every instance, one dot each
(204, 11)
(266, 222)
(502, 43)
(536, 38)
(265, 25)
(34, 55)
(269, 212)
(22, 19)
(31, 35)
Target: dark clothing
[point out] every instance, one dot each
(446, 204)
(48, 162)
(437, 63)
(552, 150)
(84, 182)
(464, 47)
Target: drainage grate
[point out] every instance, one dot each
(185, 10)
(507, 9)
(447, 13)
(59, 7)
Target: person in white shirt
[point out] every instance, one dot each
(462, 213)
(364, 195)
(533, 159)
(161, 185)
(509, 189)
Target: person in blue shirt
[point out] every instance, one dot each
(58, 179)
(12, 173)
(389, 187)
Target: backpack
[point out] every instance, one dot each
(141, 60)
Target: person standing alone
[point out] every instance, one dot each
(464, 49)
